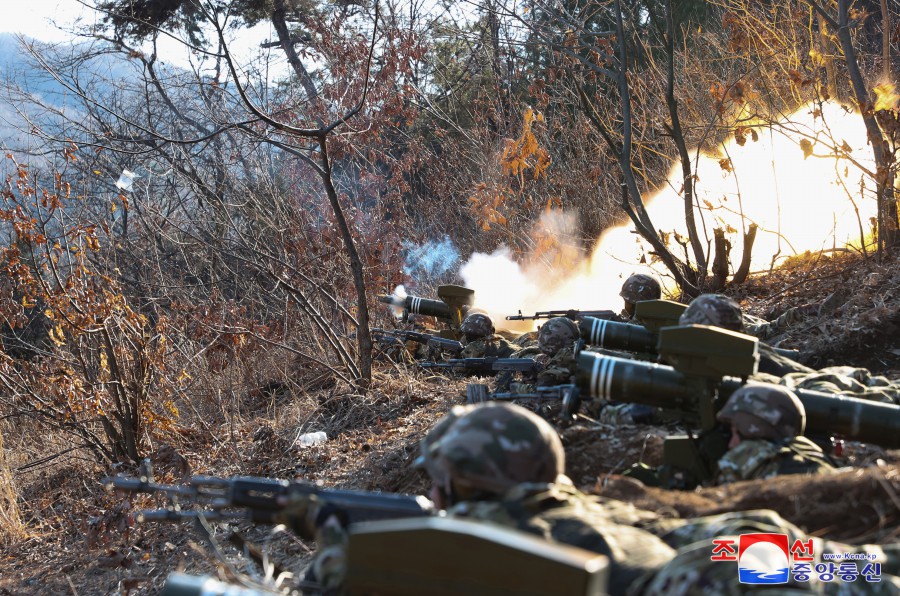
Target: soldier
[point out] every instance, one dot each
(501, 464)
(767, 423)
(555, 351)
(791, 317)
(720, 311)
(637, 288)
(848, 381)
(477, 335)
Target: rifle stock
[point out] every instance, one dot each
(568, 394)
(432, 341)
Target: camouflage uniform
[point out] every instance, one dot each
(480, 341)
(554, 351)
(758, 459)
(770, 420)
(488, 347)
(848, 381)
(691, 571)
(559, 513)
(509, 462)
(526, 340)
(765, 330)
(720, 311)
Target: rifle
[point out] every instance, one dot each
(432, 341)
(402, 550)
(707, 366)
(569, 395)
(486, 366)
(258, 499)
(575, 315)
(453, 303)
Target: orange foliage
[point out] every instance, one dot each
(92, 365)
(519, 155)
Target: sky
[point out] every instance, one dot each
(52, 21)
(33, 18)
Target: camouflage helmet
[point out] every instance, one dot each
(715, 310)
(491, 448)
(477, 325)
(764, 411)
(555, 334)
(639, 287)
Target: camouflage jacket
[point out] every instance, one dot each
(848, 381)
(773, 363)
(556, 370)
(756, 459)
(764, 330)
(560, 513)
(692, 572)
(493, 346)
(641, 545)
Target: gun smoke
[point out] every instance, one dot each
(802, 181)
(430, 260)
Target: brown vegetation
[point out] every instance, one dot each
(210, 311)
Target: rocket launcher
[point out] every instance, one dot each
(707, 365)
(451, 307)
(628, 337)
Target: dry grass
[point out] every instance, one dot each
(12, 529)
(63, 532)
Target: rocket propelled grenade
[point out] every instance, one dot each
(629, 337)
(419, 306)
(612, 335)
(453, 304)
(633, 381)
(708, 365)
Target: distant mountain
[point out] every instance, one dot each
(22, 75)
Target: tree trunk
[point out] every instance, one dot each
(363, 336)
(887, 206)
(720, 262)
(740, 276)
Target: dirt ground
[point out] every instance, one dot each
(82, 539)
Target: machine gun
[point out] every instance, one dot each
(486, 366)
(569, 395)
(575, 315)
(707, 365)
(653, 315)
(259, 499)
(451, 307)
(434, 342)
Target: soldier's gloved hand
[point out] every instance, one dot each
(306, 515)
(517, 387)
(299, 513)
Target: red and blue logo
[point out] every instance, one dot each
(763, 559)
